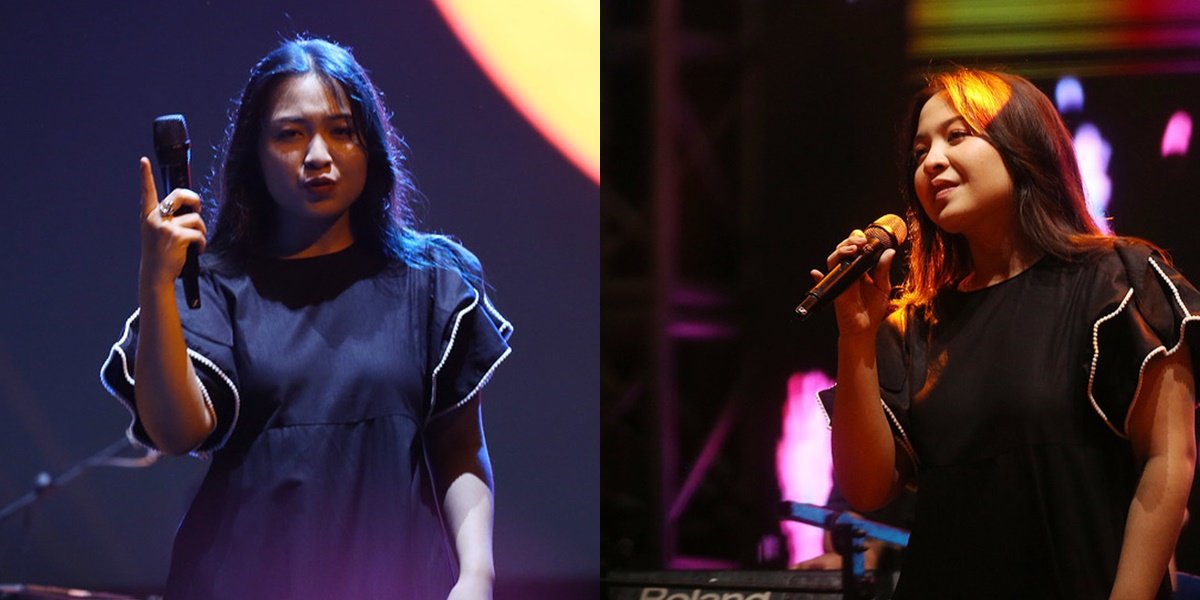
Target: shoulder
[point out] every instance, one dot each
(1123, 255)
(446, 256)
(1137, 275)
(444, 249)
(1108, 266)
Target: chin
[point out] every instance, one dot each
(949, 221)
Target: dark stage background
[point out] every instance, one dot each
(742, 140)
(82, 82)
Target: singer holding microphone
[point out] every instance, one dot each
(1033, 379)
(331, 370)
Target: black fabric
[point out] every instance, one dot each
(319, 485)
(1024, 484)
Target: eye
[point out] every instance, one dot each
(285, 135)
(958, 134)
(918, 154)
(343, 131)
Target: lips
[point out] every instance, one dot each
(320, 185)
(942, 188)
(944, 192)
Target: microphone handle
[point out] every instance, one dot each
(845, 273)
(179, 176)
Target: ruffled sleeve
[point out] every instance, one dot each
(1144, 308)
(892, 358)
(209, 337)
(468, 337)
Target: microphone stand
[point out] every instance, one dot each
(44, 482)
(850, 533)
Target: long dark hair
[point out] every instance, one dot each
(381, 219)
(1016, 118)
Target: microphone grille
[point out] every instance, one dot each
(896, 230)
(171, 143)
(170, 130)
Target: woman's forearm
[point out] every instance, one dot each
(1152, 527)
(1162, 435)
(864, 453)
(463, 472)
(169, 400)
(469, 516)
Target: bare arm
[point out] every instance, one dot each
(1162, 432)
(864, 452)
(463, 471)
(169, 400)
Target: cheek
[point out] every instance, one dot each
(272, 161)
(998, 182)
(277, 173)
(921, 187)
(355, 165)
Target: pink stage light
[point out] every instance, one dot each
(1092, 153)
(803, 463)
(1178, 135)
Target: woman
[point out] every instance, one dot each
(1036, 387)
(333, 369)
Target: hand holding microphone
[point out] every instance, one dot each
(172, 230)
(173, 148)
(864, 298)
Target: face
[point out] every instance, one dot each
(314, 165)
(960, 178)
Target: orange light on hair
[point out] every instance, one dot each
(976, 95)
(545, 56)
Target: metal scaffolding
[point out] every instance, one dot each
(694, 66)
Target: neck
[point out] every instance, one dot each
(997, 259)
(302, 239)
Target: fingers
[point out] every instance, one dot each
(180, 199)
(149, 190)
(190, 221)
(179, 228)
(844, 251)
(825, 562)
(185, 212)
(847, 248)
(195, 237)
(188, 225)
(169, 240)
(882, 275)
(816, 275)
(183, 198)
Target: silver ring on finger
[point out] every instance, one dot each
(166, 208)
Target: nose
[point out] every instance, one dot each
(318, 156)
(935, 159)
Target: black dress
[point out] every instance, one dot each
(322, 374)
(1013, 408)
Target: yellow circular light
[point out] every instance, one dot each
(545, 56)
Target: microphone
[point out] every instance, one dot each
(173, 150)
(886, 232)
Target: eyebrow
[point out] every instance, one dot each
(939, 127)
(300, 119)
